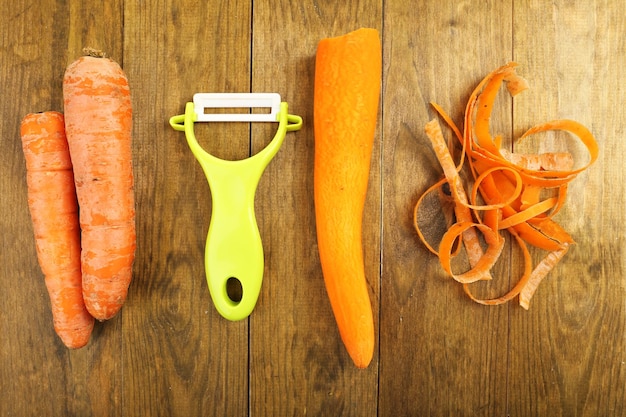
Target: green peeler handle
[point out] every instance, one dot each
(234, 250)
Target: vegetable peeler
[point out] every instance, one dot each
(234, 250)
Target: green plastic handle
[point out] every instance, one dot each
(234, 249)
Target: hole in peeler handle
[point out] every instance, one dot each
(234, 289)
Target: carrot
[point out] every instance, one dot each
(511, 186)
(347, 87)
(54, 213)
(98, 122)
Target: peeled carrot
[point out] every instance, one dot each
(347, 87)
(98, 122)
(54, 213)
(511, 186)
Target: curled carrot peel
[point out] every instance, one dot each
(508, 191)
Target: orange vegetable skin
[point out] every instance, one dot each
(98, 121)
(347, 88)
(511, 186)
(54, 212)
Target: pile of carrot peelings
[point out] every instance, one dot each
(519, 193)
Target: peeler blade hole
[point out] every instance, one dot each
(234, 289)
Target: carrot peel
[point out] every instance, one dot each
(486, 260)
(511, 186)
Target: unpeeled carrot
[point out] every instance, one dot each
(54, 213)
(346, 93)
(98, 121)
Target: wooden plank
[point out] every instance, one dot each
(568, 354)
(183, 358)
(38, 373)
(440, 353)
(95, 25)
(99, 391)
(298, 363)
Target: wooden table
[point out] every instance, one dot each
(169, 353)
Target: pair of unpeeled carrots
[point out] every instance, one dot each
(80, 196)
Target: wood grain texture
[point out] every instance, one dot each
(169, 353)
(571, 344)
(445, 355)
(187, 359)
(310, 374)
